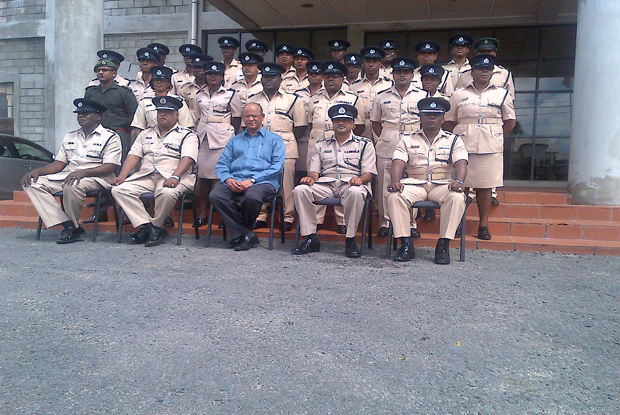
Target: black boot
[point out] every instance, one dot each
(406, 251)
(351, 249)
(442, 252)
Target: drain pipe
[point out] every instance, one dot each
(193, 28)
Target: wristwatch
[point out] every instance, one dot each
(459, 181)
(174, 176)
(252, 179)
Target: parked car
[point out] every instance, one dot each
(17, 157)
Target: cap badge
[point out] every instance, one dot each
(187, 49)
(254, 44)
(336, 44)
(387, 45)
(284, 47)
(461, 39)
(314, 67)
(80, 104)
(247, 58)
(341, 110)
(104, 56)
(146, 54)
(372, 51)
(432, 105)
(427, 46)
(486, 60)
(267, 69)
(214, 67)
(330, 66)
(159, 72)
(225, 40)
(431, 70)
(352, 58)
(486, 41)
(196, 59)
(401, 63)
(162, 100)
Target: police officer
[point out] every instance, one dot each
(502, 77)
(85, 162)
(163, 51)
(220, 120)
(431, 76)
(371, 83)
(166, 154)
(353, 62)
(315, 83)
(390, 46)
(189, 90)
(186, 76)
(284, 57)
(428, 155)
(141, 86)
(427, 55)
(115, 57)
(285, 115)
(320, 123)
(395, 114)
(459, 49)
(342, 166)
(255, 46)
(338, 48)
(250, 82)
(301, 56)
(483, 114)
(229, 46)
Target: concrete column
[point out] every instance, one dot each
(594, 174)
(74, 35)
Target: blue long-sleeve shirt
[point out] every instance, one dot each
(260, 156)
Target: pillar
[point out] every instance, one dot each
(594, 165)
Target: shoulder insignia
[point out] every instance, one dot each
(385, 90)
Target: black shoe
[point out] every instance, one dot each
(442, 252)
(415, 233)
(383, 232)
(342, 230)
(351, 250)
(69, 235)
(483, 233)
(221, 225)
(200, 222)
(259, 224)
(141, 236)
(494, 201)
(429, 215)
(168, 222)
(235, 242)
(319, 226)
(288, 226)
(309, 245)
(103, 217)
(406, 252)
(458, 232)
(156, 235)
(248, 241)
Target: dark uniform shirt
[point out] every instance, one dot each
(119, 100)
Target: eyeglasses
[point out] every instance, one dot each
(104, 70)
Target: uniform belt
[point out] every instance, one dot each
(481, 121)
(400, 127)
(215, 119)
(430, 176)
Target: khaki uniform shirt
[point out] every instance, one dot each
(282, 113)
(146, 115)
(216, 113)
(367, 91)
(446, 86)
(163, 154)
(140, 89)
(118, 79)
(502, 78)
(79, 152)
(320, 103)
(386, 72)
(179, 80)
(292, 82)
(455, 72)
(397, 116)
(305, 97)
(346, 84)
(234, 66)
(334, 162)
(480, 116)
(427, 161)
(244, 90)
(236, 76)
(188, 93)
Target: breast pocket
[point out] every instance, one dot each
(220, 109)
(492, 109)
(466, 110)
(442, 154)
(328, 160)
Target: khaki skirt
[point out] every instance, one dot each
(207, 158)
(485, 171)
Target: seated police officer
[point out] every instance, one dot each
(166, 154)
(429, 157)
(85, 162)
(341, 166)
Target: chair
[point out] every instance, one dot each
(428, 204)
(151, 196)
(336, 201)
(97, 194)
(276, 201)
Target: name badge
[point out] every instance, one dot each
(327, 151)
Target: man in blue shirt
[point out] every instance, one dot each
(249, 170)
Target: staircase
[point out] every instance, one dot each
(526, 220)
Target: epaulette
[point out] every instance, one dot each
(356, 81)
(253, 95)
(385, 90)
(91, 86)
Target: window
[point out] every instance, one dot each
(28, 152)
(7, 125)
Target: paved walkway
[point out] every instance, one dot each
(113, 328)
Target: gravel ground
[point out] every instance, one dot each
(113, 328)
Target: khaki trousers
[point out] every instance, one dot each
(384, 179)
(353, 198)
(41, 191)
(452, 207)
(288, 184)
(127, 195)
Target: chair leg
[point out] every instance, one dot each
(272, 222)
(282, 234)
(388, 249)
(114, 209)
(364, 228)
(195, 211)
(180, 224)
(39, 226)
(121, 219)
(370, 224)
(96, 214)
(297, 230)
(209, 222)
(463, 233)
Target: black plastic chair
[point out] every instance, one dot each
(428, 204)
(97, 194)
(277, 201)
(151, 196)
(367, 222)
